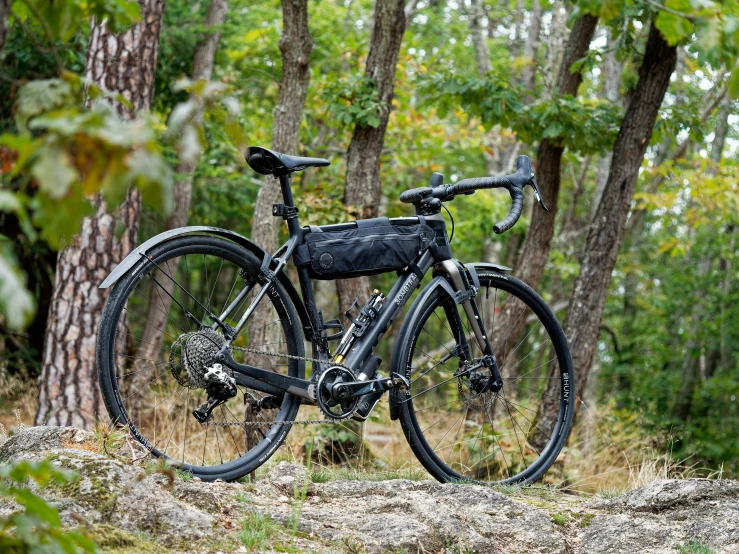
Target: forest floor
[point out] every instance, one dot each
(148, 507)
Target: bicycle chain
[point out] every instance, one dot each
(299, 422)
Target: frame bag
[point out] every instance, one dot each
(368, 247)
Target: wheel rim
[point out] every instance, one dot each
(158, 410)
(479, 435)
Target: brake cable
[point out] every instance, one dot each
(452, 218)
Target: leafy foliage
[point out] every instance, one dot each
(37, 526)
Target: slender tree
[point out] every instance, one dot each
(68, 392)
(604, 239)
(296, 44)
(202, 70)
(362, 192)
(538, 242)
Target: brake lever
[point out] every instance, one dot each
(537, 192)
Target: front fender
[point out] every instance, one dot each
(440, 281)
(130, 261)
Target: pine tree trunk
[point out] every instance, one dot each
(537, 244)
(202, 70)
(68, 392)
(362, 192)
(604, 239)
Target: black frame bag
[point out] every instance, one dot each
(361, 248)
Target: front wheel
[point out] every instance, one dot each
(460, 429)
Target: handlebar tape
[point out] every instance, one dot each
(476, 183)
(515, 213)
(412, 196)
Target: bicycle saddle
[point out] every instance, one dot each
(269, 162)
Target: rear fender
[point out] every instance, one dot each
(130, 262)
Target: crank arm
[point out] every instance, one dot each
(352, 389)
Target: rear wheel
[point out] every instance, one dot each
(462, 430)
(152, 356)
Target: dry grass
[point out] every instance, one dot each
(607, 454)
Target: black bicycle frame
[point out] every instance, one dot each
(276, 384)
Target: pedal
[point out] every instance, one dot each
(334, 324)
(368, 402)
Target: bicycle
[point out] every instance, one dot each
(179, 331)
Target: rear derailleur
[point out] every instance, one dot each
(221, 387)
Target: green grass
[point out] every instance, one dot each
(585, 521)
(695, 547)
(560, 518)
(540, 491)
(184, 475)
(325, 474)
(257, 531)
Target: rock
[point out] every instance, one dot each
(128, 510)
(291, 479)
(32, 440)
(663, 515)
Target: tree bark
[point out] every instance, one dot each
(476, 16)
(611, 89)
(531, 46)
(68, 393)
(296, 44)
(604, 239)
(538, 240)
(362, 191)
(202, 70)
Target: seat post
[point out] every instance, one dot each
(287, 197)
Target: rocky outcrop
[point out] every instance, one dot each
(139, 509)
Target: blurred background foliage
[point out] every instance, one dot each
(679, 258)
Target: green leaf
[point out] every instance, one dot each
(734, 83)
(16, 302)
(674, 28)
(54, 172)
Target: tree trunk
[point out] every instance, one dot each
(612, 91)
(362, 192)
(538, 240)
(482, 53)
(693, 349)
(68, 393)
(202, 70)
(296, 44)
(604, 239)
(531, 47)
